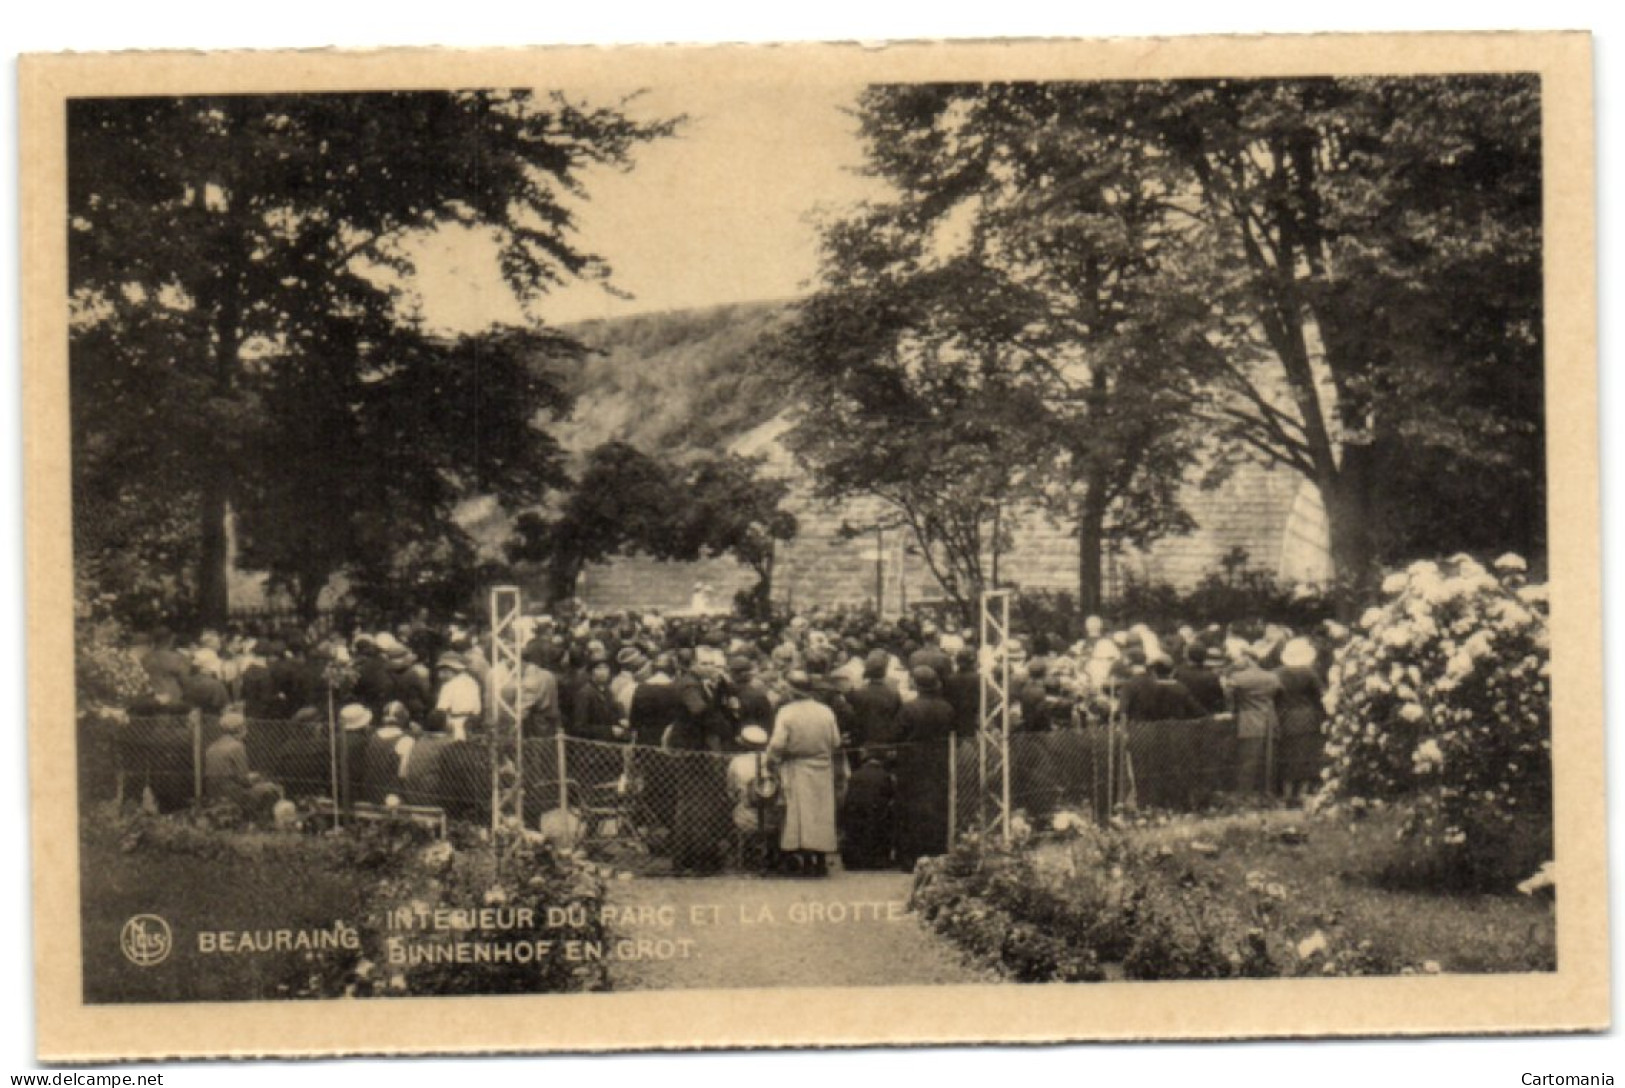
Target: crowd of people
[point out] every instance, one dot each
(825, 729)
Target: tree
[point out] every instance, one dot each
(1341, 276)
(230, 261)
(622, 499)
(729, 508)
(1360, 277)
(625, 501)
(997, 298)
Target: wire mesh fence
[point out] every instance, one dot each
(694, 811)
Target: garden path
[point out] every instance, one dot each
(851, 929)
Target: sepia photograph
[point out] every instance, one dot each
(996, 524)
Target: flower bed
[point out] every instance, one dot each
(1264, 895)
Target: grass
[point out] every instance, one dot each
(1338, 877)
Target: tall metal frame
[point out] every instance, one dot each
(507, 702)
(993, 738)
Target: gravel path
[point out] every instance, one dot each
(851, 929)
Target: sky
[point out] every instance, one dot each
(724, 211)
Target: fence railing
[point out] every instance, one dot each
(700, 809)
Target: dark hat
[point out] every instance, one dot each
(740, 664)
(925, 679)
(1037, 667)
(450, 660)
(876, 664)
(798, 681)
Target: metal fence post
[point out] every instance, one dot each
(196, 719)
(333, 759)
(564, 773)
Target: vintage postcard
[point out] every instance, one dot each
(662, 548)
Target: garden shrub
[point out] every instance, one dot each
(1443, 702)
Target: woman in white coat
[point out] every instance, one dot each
(805, 752)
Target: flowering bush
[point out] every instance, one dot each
(1444, 698)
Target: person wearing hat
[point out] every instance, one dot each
(875, 705)
(459, 697)
(1252, 692)
(804, 751)
(924, 725)
(409, 679)
(355, 730)
(752, 703)
(757, 799)
(387, 751)
(227, 778)
(700, 721)
(374, 682)
(1158, 697)
(1033, 699)
(963, 690)
(1301, 709)
(1200, 676)
(929, 718)
(631, 665)
(868, 815)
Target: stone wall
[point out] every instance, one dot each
(1272, 513)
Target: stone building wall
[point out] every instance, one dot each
(1272, 513)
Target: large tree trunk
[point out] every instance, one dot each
(213, 593)
(1091, 550)
(1351, 522)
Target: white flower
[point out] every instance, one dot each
(1413, 713)
(1397, 635)
(1430, 967)
(1394, 583)
(1459, 667)
(1511, 564)
(1536, 595)
(1428, 757)
(1371, 618)
(1311, 945)
(495, 895)
(1376, 685)
(1545, 877)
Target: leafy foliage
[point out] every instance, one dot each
(626, 500)
(243, 336)
(1445, 699)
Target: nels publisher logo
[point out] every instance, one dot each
(146, 940)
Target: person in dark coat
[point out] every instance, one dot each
(754, 705)
(1301, 711)
(421, 768)
(1034, 699)
(963, 690)
(386, 749)
(702, 817)
(374, 682)
(867, 815)
(261, 700)
(922, 770)
(304, 764)
(355, 731)
(875, 705)
(1200, 679)
(930, 654)
(594, 713)
(929, 718)
(1158, 697)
